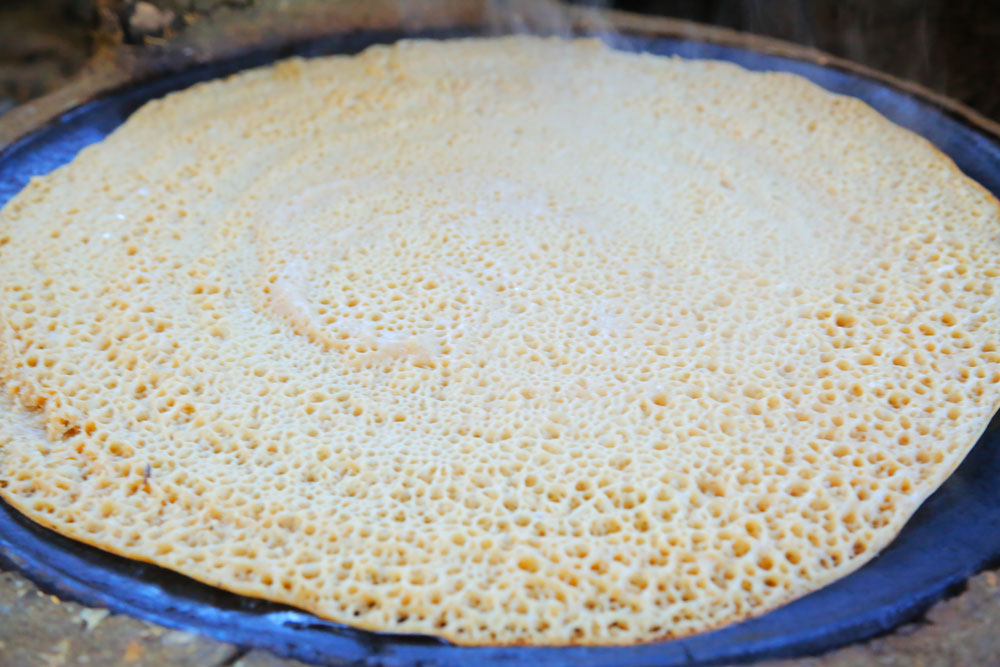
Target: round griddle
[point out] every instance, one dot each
(955, 534)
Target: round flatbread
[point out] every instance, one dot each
(518, 341)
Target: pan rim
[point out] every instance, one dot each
(693, 650)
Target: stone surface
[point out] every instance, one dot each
(41, 46)
(146, 19)
(39, 629)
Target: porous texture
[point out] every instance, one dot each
(507, 341)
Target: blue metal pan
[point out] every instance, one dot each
(954, 535)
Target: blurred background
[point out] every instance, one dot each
(950, 46)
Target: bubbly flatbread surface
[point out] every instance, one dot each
(502, 340)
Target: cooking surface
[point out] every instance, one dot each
(947, 45)
(954, 535)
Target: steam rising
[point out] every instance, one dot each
(892, 35)
(548, 17)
